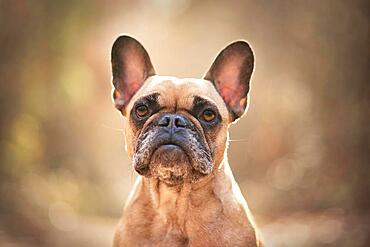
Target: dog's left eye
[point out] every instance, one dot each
(142, 111)
(208, 115)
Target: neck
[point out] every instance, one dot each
(175, 203)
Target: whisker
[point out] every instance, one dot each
(112, 128)
(132, 176)
(238, 140)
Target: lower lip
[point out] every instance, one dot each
(170, 145)
(170, 149)
(169, 154)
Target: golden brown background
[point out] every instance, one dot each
(300, 155)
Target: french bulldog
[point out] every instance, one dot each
(176, 134)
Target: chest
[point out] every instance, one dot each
(200, 229)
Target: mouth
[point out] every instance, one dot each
(170, 152)
(170, 163)
(172, 159)
(169, 146)
(167, 154)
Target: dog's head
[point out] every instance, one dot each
(176, 129)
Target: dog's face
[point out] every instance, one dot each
(176, 129)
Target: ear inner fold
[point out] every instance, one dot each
(230, 73)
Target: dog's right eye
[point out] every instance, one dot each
(142, 111)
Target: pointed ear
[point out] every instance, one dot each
(230, 73)
(131, 66)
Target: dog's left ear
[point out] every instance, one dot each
(131, 66)
(230, 73)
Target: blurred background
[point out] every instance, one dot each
(301, 154)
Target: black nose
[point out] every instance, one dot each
(173, 120)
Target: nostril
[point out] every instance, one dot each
(180, 122)
(164, 121)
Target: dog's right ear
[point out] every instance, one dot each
(131, 66)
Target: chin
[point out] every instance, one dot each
(171, 165)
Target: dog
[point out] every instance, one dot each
(176, 133)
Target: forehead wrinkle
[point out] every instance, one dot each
(193, 87)
(176, 92)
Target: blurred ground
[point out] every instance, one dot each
(301, 154)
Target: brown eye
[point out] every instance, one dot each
(142, 111)
(208, 115)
